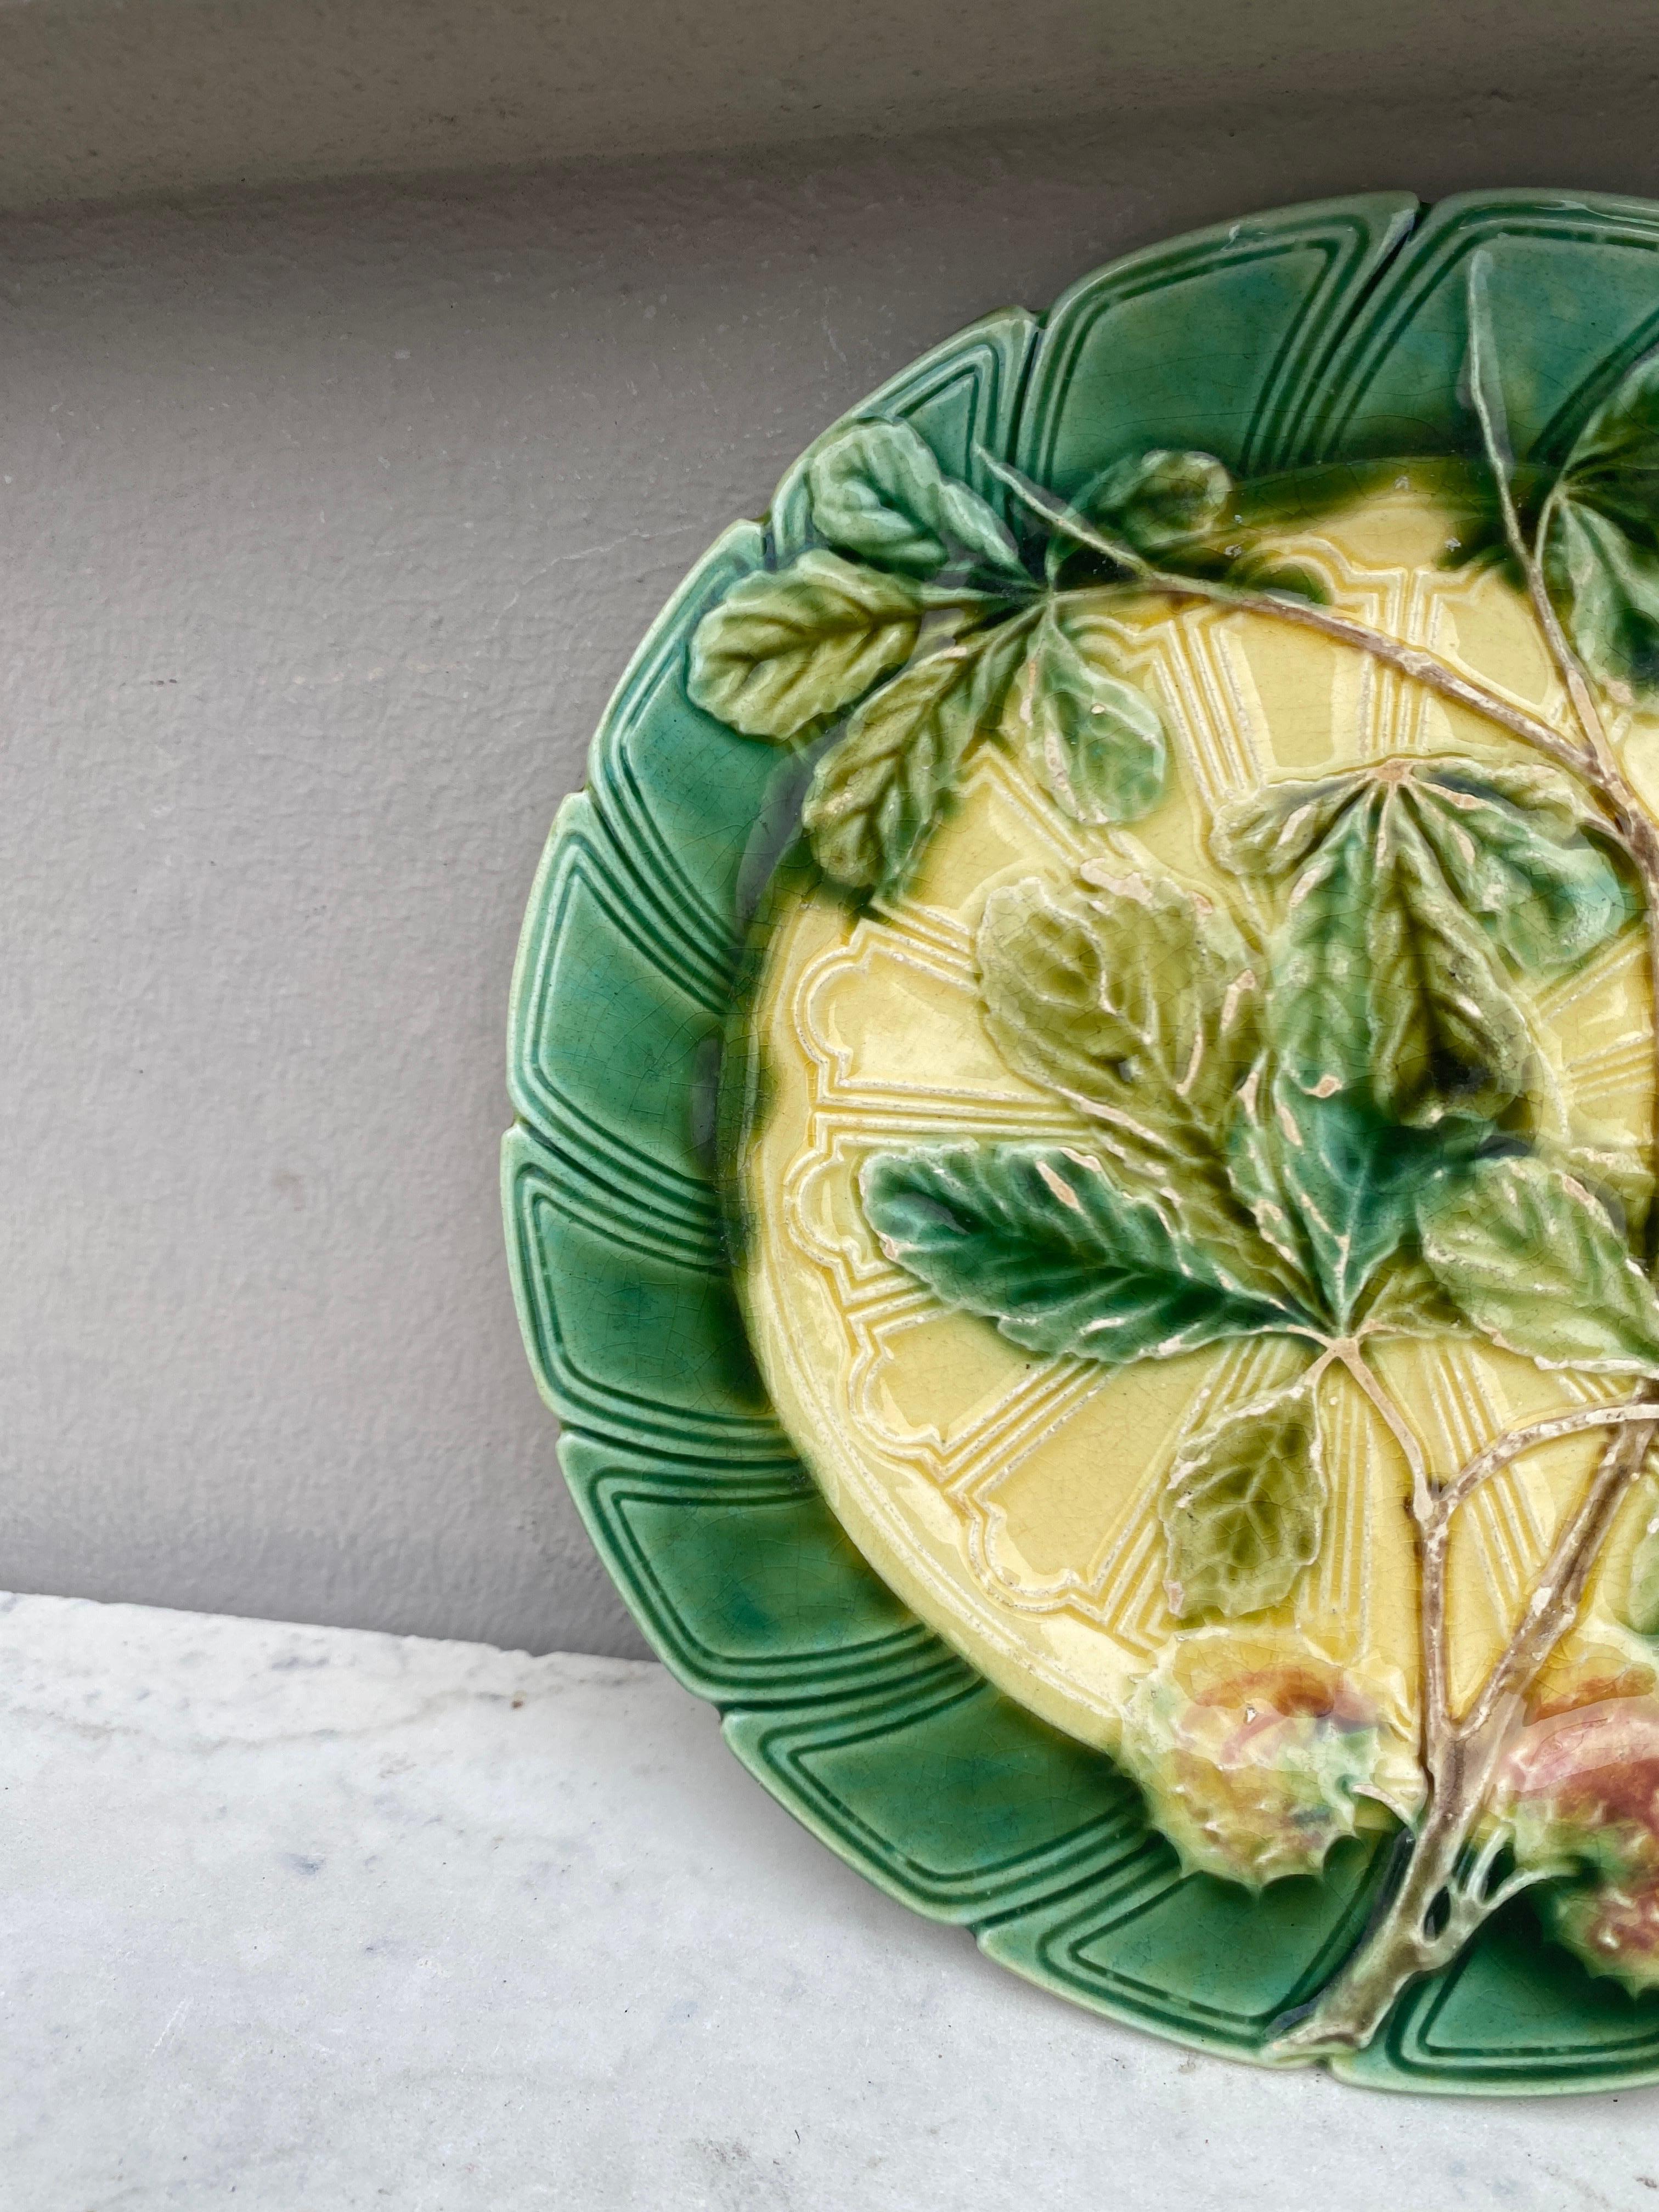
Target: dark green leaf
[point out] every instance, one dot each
(1160, 500)
(1244, 1509)
(1525, 1251)
(1289, 580)
(877, 490)
(1485, 383)
(1334, 1183)
(1614, 464)
(1447, 1037)
(878, 791)
(1042, 1242)
(1546, 800)
(781, 650)
(1096, 743)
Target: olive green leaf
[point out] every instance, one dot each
(1134, 995)
(1553, 803)
(1447, 1036)
(1333, 1184)
(1405, 1299)
(1526, 1252)
(1095, 742)
(1642, 1590)
(1413, 884)
(1612, 1167)
(1602, 535)
(1159, 501)
(1274, 831)
(1041, 1240)
(783, 649)
(877, 490)
(1244, 1509)
(1137, 1003)
(880, 790)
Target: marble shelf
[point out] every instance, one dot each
(310, 1920)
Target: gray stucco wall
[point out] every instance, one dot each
(328, 522)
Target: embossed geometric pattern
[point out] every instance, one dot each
(1327, 333)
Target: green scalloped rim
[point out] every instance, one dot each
(1327, 333)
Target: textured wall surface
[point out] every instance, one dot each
(107, 97)
(329, 521)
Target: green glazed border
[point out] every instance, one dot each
(1325, 333)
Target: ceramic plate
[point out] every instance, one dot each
(1083, 1077)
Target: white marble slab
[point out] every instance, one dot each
(304, 1920)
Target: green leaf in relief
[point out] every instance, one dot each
(1319, 1011)
(1405, 1299)
(1413, 884)
(1244, 1509)
(1615, 1168)
(1257, 1146)
(1138, 1003)
(1614, 463)
(1160, 500)
(876, 490)
(1334, 1183)
(884, 784)
(1642, 1590)
(1135, 995)
(1606, 588)
(1602, 544)
(1554, 805)
(1509, 841)
(783, 649)
(1447, 1037)
(1041, 1240)
(1095, 742)
(1273, 832)
(1527, 1253)
(1287, 579)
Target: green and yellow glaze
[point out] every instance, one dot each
(1152, 1464)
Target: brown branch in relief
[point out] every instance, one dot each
(1510, 1447)
(1555, 1602)
(1439, 1904)
(1445, 1891)
(1414, 661)
(1431, 1647)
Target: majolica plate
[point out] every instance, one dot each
(1084, 1069)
